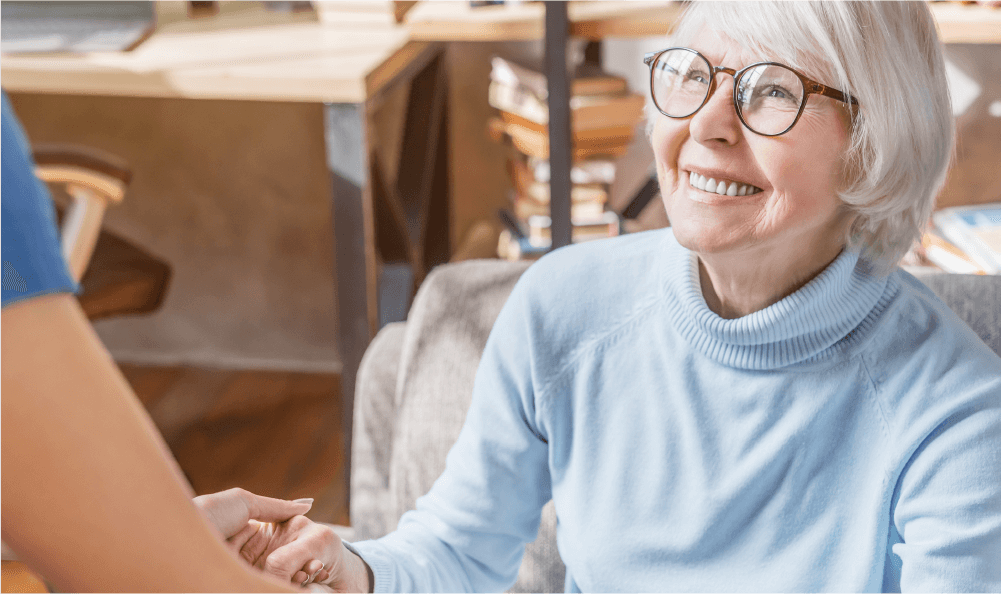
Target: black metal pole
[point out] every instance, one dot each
(560, 139)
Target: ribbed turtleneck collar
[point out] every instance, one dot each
(825, 315)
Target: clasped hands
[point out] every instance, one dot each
(274, 536)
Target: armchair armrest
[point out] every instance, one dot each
(374, 430)
(434, 359)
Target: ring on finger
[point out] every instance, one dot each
(310, 579)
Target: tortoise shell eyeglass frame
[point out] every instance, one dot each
(810, 87)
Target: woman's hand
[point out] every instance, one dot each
(231, 510)
(306, 552)
(241, 517)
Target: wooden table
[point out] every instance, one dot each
(246, 56)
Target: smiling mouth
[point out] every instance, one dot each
(722, 187)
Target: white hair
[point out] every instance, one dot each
(888, 56)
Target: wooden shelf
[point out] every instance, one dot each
(962, 23)
(457, 21)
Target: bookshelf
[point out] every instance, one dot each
(457, 21)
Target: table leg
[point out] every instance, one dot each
(371, 214)
(354, 248)
(560, 139)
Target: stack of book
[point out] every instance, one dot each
(604, 115)
(964, 239)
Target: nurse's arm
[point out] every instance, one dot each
(92, 498)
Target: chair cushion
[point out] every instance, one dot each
(445, 339)
(374, 423)
(976, 299)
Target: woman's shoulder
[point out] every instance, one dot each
(962, 311)
(606, 273)
(585, 290)
(925, 357)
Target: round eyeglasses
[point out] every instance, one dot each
(769, 97)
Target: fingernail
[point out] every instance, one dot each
(308, 500)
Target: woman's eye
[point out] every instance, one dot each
(698, 77)
(776, 92)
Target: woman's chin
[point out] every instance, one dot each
(704, 228)
(707, 239)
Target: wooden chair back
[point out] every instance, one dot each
(94, 180)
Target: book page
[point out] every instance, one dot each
(991, 238)
(985, 224)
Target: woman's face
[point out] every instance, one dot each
(798, 173)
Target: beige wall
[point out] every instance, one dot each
(974, 177)
(235, 196)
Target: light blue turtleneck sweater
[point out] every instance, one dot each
(845, 438)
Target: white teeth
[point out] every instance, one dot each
(698, 181)
(722, 188)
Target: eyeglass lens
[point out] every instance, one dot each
(768, 96)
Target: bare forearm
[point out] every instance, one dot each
(92, 497)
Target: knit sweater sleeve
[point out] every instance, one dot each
(469, 532)
(945, 531)
(948, 508)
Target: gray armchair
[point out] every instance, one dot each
(416, 380)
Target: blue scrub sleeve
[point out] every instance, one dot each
(33, 264)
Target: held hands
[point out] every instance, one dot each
(309, 553)
(244, 520)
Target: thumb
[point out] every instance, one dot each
(269, 509)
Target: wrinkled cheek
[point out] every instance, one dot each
(666, 140)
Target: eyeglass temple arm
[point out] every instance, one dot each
(816, 87)
(649, 58)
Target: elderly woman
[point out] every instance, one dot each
(757, 398)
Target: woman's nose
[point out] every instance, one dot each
(717, 121)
